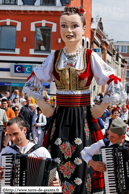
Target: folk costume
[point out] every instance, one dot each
(73, 126)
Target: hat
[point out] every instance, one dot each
(23, 100)
(118, 126)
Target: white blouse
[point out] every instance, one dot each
(101, 71)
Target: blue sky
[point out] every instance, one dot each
(115, 17)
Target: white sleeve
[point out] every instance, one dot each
(100, 69)
(94, 149)
(103, 74)
(34, 86)
(44, 73)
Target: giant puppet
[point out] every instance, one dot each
(74, 123)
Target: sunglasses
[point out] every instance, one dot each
(16, 110)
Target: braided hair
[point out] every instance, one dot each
(75, 10)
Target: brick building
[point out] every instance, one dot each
(29, 32)
(123, 48)
(100, 43)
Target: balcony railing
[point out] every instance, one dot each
(9, 2)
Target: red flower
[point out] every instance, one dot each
(67, 172)
(62, 167)
(72, 166)
(89, 180)
(89, 189)
(63, 146)
(71, 187)
(72, 148)
(68, 153)
(88, 185)
(71, 65)
(63, 185)
(67, 192)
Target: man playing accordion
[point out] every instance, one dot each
(17, 132)
(117, 138)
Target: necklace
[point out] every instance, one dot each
(71, 58)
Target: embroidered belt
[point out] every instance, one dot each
(73, 100)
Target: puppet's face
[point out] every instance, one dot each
(71, 29)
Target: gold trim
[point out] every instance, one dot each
(74, 83)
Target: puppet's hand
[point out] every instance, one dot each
(47, 109)
(98, 110)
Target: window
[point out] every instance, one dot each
(117, 47)
(48, 2)
(127, 73)
(9, 2)
(43, 39)
(7, 38)
(123, 49)
(127, 61)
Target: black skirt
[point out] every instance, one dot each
(72, 129)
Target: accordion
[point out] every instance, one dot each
(24, 170)
(116, 176)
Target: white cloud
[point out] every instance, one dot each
(115, 16)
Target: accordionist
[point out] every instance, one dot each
(17, 133)
(116, 137)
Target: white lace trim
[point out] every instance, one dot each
(32, 94)
(72, 54)
(73, 92)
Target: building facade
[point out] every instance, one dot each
(101, 44)
(123, 48)
(29, 33)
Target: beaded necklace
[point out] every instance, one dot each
(71, 59)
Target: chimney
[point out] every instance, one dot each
(100, 24)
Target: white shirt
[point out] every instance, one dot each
(40, 152)
(101, 72)
(95, 149)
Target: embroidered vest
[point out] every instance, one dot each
(79, 79)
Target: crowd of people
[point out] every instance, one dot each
(72, 125)
(112, 112)
(25, 107)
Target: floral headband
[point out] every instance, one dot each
(81, 11)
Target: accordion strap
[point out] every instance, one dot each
(106, 142)
(33, 148)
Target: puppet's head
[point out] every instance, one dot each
(75, 10)
(72, 25)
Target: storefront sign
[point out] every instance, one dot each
(17, 84)
(97, 50)
(5, 84)
(21, 70)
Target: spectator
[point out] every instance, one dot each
(38, 123)
(3, 121)
(15, 94)
(10, 103)
(124, 114)
(23, 102)
(15, 100)
(46, 99)
(106, 113)
(29, 101)
(10, 114)
(26, 115)
(114, 115)
(21, 96)
(16, 110)
(32, 108)
(7, 94)
(98, 101)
